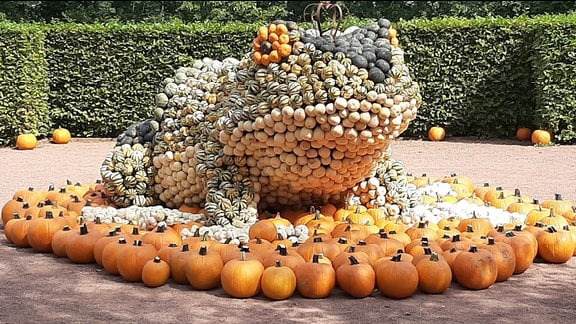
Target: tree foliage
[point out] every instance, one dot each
(259, 11)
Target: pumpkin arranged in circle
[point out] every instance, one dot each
(61, 136)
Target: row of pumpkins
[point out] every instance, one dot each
(355, 248)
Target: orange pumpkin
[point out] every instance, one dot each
(26, 142)
(132, 258)
(241, 277)
(278, 282)
(396, 278)
(315, 279)
(434, 274)
(61, 136)
(503, 253)
(436, 133)
(475, 269)
(80, 246)
(155, 272)
(523, 134)
(356, 278)
(203, 269)
(541, 137)
(555, 246)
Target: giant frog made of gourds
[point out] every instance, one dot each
(303, 119)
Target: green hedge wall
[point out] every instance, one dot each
(104, 77)
(486, 77)
(475, 75)
(554, 59)
(23, 82)
(480, 77)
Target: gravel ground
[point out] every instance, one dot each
(40, 287)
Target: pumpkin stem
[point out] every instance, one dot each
(552, 229)
(49, 214)
(434, 257)
(427, 250)
(557, 196)
(137, 242)
(342, 240)
(383, 234)
(185, 247)
(205, 236)
(362, 242)
(473, 249)
(351, 249)
(510, 234)
(278, 263)
(397, 257)
(203, 250)
(135, 231)
(353, 260)
(491, 241)
(282, 250)
(112, 233)
(469, 228)
(456, 238)
(157, 259)
(317, 239)
(122, 240)
(316, 257)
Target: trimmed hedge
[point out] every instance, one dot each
(23, 82)
(486, 77)
(104, 73)
(554, 77)
(480, 77)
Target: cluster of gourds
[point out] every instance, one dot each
(358, 249)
